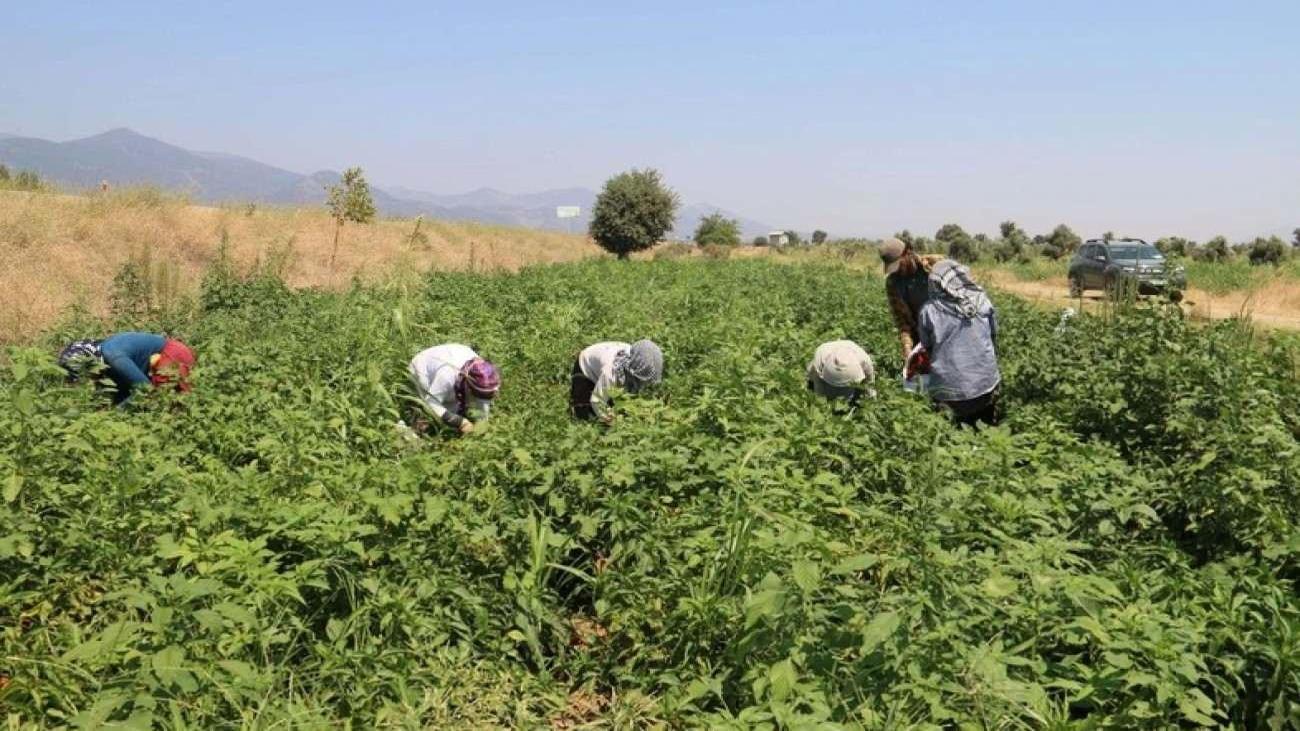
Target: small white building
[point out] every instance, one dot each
(777, 238)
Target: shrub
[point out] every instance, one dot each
(716, 251)
(1271, 250)
(957, 243)
(718, 230)
(669, 252)
(1214, 250)
(1175, 246)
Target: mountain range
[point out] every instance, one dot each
(125, 157)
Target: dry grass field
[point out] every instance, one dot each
(61, 250)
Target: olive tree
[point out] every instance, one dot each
(633, 212)
(960, 245)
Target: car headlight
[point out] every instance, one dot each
(1129, 269)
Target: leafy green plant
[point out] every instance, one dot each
(731, 553)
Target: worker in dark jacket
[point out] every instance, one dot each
(131, 360)
(907, 286)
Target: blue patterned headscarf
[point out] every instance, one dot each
(641, 365)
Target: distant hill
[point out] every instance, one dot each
(125, 157)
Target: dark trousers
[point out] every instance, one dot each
(580, 390)
(986, 409)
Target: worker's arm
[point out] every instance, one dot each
(993, 327)
(600, 395)
(902, 318)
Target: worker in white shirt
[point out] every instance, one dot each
(603, 366)
(454, 383)
(841, 369)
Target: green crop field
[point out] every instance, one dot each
(732, 552)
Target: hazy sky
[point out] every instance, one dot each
(1146, 118)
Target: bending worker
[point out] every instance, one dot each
(131, 360)
(841, 369)
(455, 384)
(601, 367)
(959, 331)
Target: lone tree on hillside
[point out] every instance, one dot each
(717, 229)
(1295, 238)
(760, 241)
(350, 200)
(633, 212)
(794, 238)
(819, 237)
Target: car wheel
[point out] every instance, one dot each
(1076, 287)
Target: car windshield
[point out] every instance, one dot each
(1134, 251)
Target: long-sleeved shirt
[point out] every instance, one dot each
(597, 364)
(128, 357)
(907, 294)
(963, 352)
(435, 372)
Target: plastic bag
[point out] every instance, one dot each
(916, 371)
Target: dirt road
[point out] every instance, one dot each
(1267, 308)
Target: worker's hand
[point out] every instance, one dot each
(607, 419)
(466, 426)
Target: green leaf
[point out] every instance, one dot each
(881, 628)
(782, 678)
(169, 666)
(999, 586)
(806, 576)
(854, 564)
(12, 486)
(238, 670)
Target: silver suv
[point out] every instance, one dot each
(1103, 265)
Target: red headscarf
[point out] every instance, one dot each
(174, 354)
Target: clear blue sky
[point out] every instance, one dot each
(1142, 117)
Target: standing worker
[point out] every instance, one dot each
(907, 287)
(841, 369)
(602, 366)
(454, 383)
(958, 327)
(130, 360)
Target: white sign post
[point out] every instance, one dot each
(563, 212)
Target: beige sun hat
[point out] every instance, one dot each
(839, 368)
(891, 254)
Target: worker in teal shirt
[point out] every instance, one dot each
(132, 359)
